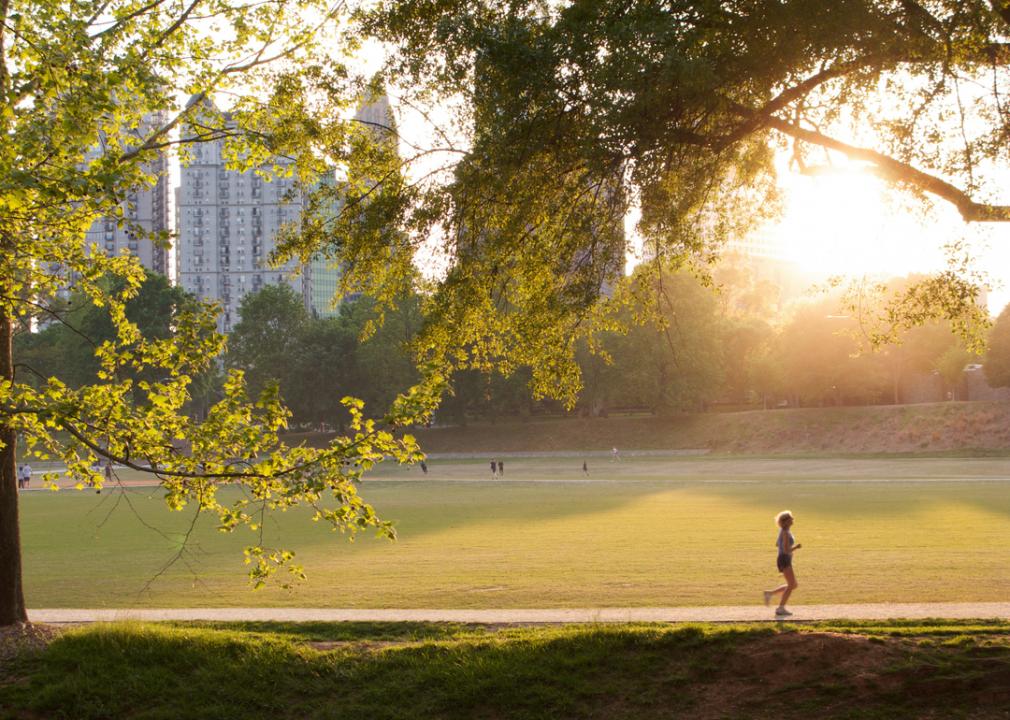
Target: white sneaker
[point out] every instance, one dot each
(768, 597)
(782, 611)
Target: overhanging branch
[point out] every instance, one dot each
(893, 170)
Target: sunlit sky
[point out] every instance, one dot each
(851, 223)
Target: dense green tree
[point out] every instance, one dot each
(65, 348)
(476, 394)
(997, 359)
(907, 345)
(766, 376)
(383, 361)
(670, 363)
(821, 362)
(322, 372)
(315, 362)
(265, 341)
(951, 366)
(565, 112)
(745, 343)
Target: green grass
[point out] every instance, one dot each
(625, 671)
(650, 532)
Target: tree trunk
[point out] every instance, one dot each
(12, 599)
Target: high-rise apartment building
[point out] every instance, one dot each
(227, 223)
(146, 217)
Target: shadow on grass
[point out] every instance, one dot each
(155, 672)
(345, 631)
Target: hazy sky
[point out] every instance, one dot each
(851, 223)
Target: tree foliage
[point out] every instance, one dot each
(567, 113)
(997, 358)
(316, 361)
(264, 343)
(89, 95)
(65, 348)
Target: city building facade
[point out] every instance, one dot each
(226, 227)
(227, 224)
(146, 217)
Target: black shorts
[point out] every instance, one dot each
(784, 561)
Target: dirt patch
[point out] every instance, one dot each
(793, 667)
(786, 674)
(24, 637)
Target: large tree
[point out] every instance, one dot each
(563, 114)
(90, 93)
(265, 342)
(66, 349)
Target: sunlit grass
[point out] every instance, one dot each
(651, 533)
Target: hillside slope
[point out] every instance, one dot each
(939, 427)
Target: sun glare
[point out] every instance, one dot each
(842, 224)
(849, 223)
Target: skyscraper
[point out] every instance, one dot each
(227, 224)
(226, 227)
(321, 276)
(146, 215)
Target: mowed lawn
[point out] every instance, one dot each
(643, 532)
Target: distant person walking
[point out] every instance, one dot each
(424, 467)
(501, 468)
(494, 469)
(21, 477)
(786, 545)
(108, 473)
(585, 468)
(615, 456)
(26, 475)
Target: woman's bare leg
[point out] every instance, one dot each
(789, 587)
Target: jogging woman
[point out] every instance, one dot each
(786, 545)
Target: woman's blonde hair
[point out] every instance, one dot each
(783, 516)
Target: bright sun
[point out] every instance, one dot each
(850, 223)
(842, 224)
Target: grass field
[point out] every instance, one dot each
(648, 532)
(866, 670)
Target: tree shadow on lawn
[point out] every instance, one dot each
(434, 506)
(422, 509)
(649, 520)
(148, 671)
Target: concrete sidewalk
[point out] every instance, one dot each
(730, 613)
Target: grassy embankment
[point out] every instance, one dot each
(930, 428)
(275, 672)
(651, 532)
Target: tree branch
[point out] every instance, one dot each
(1002, 8)
(892, 170)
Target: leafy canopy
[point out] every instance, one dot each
(90, 93)
(563, 115)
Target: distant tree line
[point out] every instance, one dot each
(708, 348)
(317, 361)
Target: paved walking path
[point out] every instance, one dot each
(730, 613)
